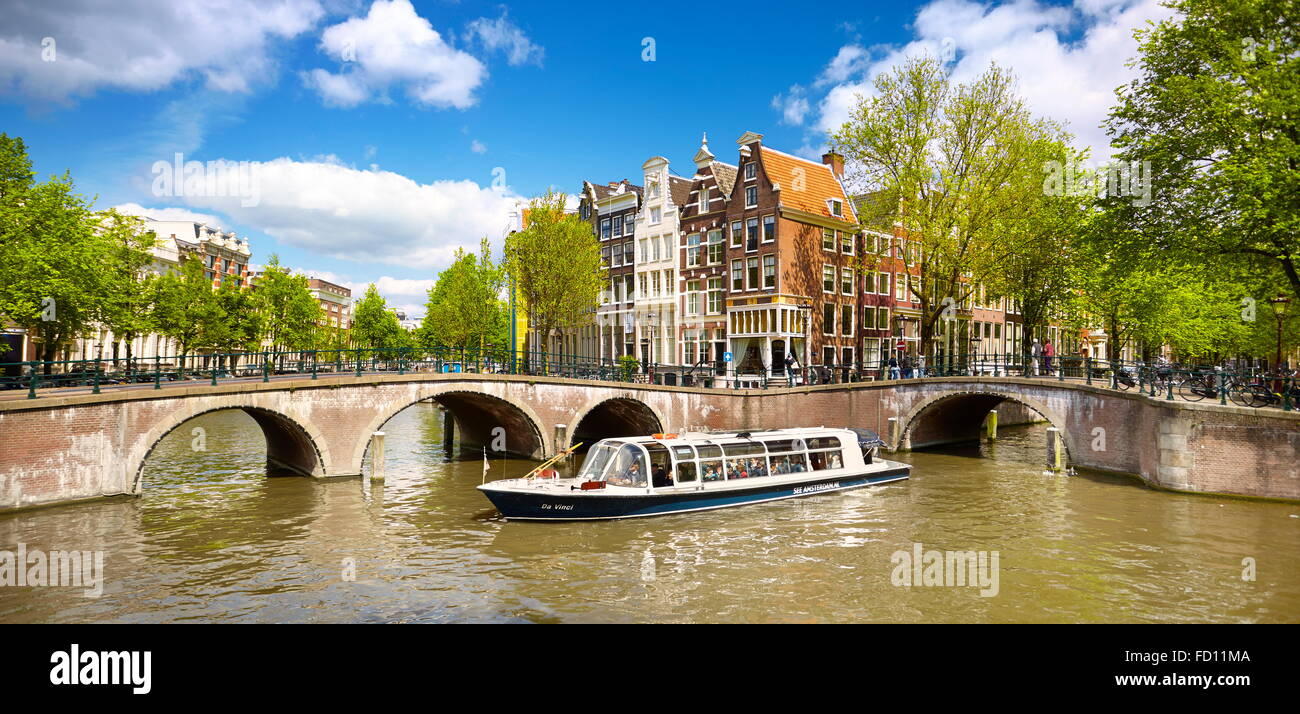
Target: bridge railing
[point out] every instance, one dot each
(1249, 384)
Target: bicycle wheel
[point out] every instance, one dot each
(1191, 389)
(1262, 396)
(1242, 394)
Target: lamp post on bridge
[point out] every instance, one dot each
(1279, 305)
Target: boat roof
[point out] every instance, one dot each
(732, 435)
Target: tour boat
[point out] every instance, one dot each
(632, 477)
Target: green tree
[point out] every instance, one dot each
(555, 265)
(374, 326)
(949, 160)
(51, 261)
(1214, 110)
(239, 328)
(186, 309)
(128, 308)
(465, 308)
(288, 313)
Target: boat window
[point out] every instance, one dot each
(743, 448)
(747, 467)
(824, 442)
(782, 446)
(628, 467)
(822, 460)
(685, 456)
(597, 459)
(661, 468)
(711, 470)
(709, 451)
(789, 464)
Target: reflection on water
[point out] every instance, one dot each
(214, 539)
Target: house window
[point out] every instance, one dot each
(604, 229)
(642, 283)
(692, 297)
(693, 250)
(828, 321)
(828, 239)
(628, 254)
(604, 256)
(617, 253)
(828, 278)
(769, 229)
(751, 196)
(837, 207)
(737, 276)
(654, 189)
(868, 282)
(715, 296)
(628, 287)
(769, 271)
(846, 321)
(868, 318)
(882, 318)
(654, 284)
(868, 243)
(846, 281)
(737, 233)
(656, 215)
(715, 247)
(882, 285)
(751, 268)
(900, 287)
(704, 200)
(848, 356)
(846, 243)
(618, 225)
(750, 171)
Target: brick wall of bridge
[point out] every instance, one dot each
(72, 447)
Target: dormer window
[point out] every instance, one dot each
(837, 207)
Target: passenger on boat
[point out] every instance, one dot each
(711, 473)
(661, 477)
(631, 477)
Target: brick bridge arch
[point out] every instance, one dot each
(291, 443)
(608, 417)
(957, 416)
(476, 413)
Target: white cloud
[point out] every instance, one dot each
(406, 295)
(142, 45)
(478, 147)
(169, 213)
(392, 46)
(501, 34)
(793, 106)
(1062, 77)
(335, 210)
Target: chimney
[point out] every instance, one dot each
(836, 162)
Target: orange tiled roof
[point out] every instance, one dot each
(806, 185)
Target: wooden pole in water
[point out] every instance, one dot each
(377, 456)
(991, 423)
(1055, 449)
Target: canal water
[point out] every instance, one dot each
(213, 539)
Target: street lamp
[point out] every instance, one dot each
(1280, 305)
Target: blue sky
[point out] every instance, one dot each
(386, 134)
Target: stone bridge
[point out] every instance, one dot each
(61, 448)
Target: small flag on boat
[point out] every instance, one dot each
(485, 465)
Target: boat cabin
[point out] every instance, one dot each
(698, 460)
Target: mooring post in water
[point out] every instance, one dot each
(1055, 449)
(448, 431)
(377, 456)
(562, 438)
(992, 424)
